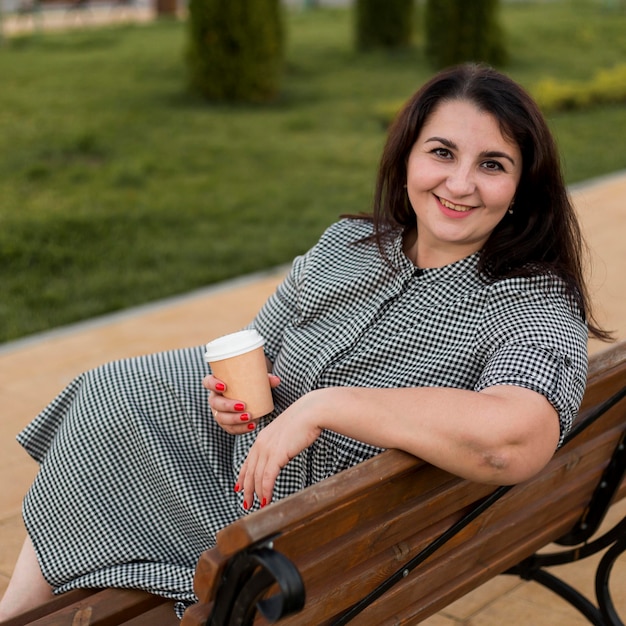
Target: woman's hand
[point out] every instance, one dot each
(230, 414)
(286, 436)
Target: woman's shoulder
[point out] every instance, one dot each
(539, 292)
(348, 229)
(544, 284)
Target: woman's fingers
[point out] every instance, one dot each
(235, 421)
(214, 385)
(274, 380)
(230, 414)
(257, 478)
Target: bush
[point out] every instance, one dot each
(235, 49)
(383, 23)
(458, 31)
(608, 86)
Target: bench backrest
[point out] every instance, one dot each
(351, 531)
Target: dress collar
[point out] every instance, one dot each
(446, 273)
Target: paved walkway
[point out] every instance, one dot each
(34, 369)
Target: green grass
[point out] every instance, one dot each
(117, 187)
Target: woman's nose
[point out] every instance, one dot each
(461, 181)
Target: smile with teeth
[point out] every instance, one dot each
(455, 207)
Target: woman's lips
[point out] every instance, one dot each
(458, 208)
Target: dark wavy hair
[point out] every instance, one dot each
(542, 234)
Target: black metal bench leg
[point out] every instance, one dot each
(603, 592)
(570, 595)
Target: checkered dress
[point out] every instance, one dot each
(136, 477)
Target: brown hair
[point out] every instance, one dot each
(542, 234)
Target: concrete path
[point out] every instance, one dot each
(34, 369)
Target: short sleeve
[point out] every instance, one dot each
(534, 338)
(542, 369)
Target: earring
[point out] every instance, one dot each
(510, 211)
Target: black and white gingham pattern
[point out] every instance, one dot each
(136, 478)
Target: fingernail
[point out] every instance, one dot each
(220, 386)
(263, 502)
(237, 488)
(244, 417)
(240, 406)
(245, 505)
(251, 426)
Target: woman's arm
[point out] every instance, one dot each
(500, 435)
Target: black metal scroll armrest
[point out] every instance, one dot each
(247, 578)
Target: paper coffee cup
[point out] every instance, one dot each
(239, 361)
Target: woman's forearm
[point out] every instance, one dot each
(501, 435)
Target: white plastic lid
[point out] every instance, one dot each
(233, 345)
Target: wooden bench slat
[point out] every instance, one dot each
(51, 606)
(161, 615)
(101, 608)
(314, 504)
(437, 584)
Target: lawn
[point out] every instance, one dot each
(117, 187)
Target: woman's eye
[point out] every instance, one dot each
(493, 165)
(444, 153)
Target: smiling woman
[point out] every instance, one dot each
(442, 325)
(462, 175)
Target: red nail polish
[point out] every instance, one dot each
(237, 488)
(250, 426)
(244, 417)
(240, 406)
(220, 386)
(245, 505)
(263, 502)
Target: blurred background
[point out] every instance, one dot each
(151, 147)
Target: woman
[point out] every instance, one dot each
(451, 324)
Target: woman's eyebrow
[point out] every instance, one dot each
(445, 142)
(491, 154)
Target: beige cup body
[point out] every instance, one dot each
(246, 379)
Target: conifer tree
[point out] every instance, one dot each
(235, 49)
(460, 30)
(383, 23)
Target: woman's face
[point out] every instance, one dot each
(462, 174)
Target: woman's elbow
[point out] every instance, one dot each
(513, 463)
(523, 445)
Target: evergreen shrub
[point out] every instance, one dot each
(459, 31)
(235, 49)
(607, 86)
(383, 23)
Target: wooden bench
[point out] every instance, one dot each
(394, 540)
(326, 548)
